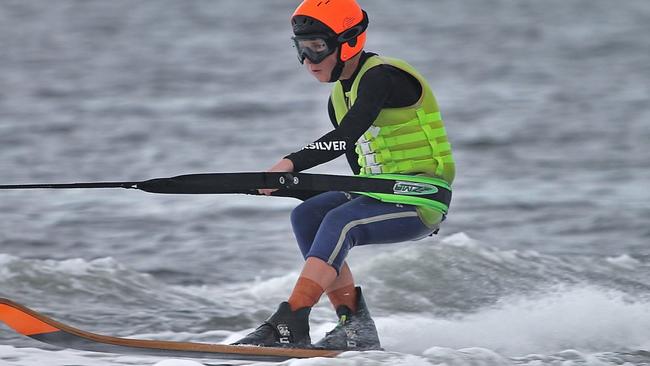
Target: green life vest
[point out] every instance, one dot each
(409, 141)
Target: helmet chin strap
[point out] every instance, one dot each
(337, 71)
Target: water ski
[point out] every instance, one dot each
(42, 328)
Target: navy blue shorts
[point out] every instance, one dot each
(327, 226)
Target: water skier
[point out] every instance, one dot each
(386, 121)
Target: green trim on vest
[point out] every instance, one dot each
(409, 140)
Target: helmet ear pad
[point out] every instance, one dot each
(353, 39)
(352, 46)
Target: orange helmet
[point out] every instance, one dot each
(343, 21)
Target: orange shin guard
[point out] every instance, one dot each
(346, 295)
(306, 293)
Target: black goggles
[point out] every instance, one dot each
(314, 47)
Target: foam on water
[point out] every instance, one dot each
(177, 363)
(39, 357)
(584, 319)
(587, 319)
(539, 317)
(449, 278)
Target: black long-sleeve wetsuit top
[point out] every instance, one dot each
(383, 86)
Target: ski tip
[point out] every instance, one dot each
(24, 320)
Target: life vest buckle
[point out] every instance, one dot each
(371, 159)
(365, 148)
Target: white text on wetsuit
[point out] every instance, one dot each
(326, 145)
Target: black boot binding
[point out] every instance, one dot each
(354, 332)
(285, 328)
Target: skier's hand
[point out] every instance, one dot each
(282, 166)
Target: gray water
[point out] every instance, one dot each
(544, 259)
